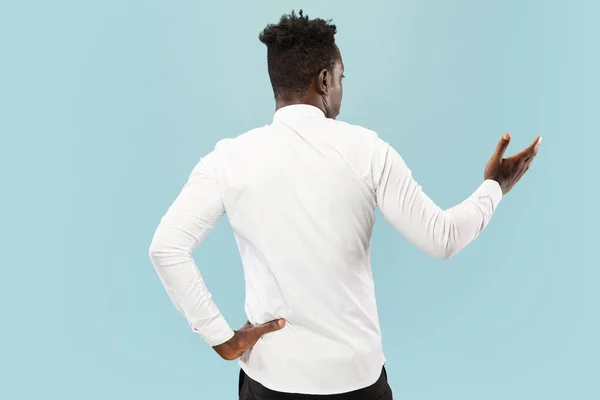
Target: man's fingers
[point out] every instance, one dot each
(268, 327)
(533, 147)
(502, 145)
(530, 151)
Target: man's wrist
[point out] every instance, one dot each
(493, 188)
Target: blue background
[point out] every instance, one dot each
(106, 106)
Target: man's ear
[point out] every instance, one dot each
(323, 81)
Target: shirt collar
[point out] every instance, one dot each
(296, 111)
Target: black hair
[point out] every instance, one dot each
(297, 50)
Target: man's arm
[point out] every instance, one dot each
(189, 219)
(187, 222)
(439, 233)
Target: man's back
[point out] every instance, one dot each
(300, 197)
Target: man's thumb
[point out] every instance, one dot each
(502, 145)
(278, 324)
(271, 326)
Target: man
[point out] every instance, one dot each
(300, 194)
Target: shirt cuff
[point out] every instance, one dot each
(216, 332)
(490, 188)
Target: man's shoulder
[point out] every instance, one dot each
(356, 136)
(242, 139)
(355, 129)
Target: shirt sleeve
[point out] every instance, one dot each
(439, 233)
(186, 223)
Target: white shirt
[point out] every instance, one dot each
(300, 195)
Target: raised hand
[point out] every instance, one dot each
(245, 338)
(508, 171)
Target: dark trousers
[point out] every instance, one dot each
(250, 389)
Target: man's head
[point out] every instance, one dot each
(305, 64)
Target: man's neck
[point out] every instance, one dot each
(315, 102)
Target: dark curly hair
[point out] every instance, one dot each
(297, 49)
